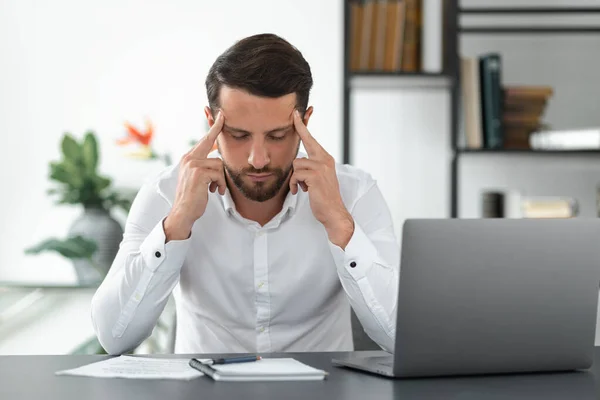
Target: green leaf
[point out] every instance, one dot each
(101, 183)
(66, 173)
(72, 248)
(58, 172)
(71, 197)
(90, 152)
(71, 149)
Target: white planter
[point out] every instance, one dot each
(97, 225)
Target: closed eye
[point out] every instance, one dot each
(239, 136)
(276, 137)
(279, 135)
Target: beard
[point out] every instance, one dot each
(258, 191)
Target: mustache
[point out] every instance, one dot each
(264, 170)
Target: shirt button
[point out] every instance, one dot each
(157, 254)
(262, 329)
(261, 284)
(352, 264)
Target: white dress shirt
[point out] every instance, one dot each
(240, 287)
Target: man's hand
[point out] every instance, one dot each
(197, 175)
(316, 174)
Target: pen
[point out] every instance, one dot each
(233, 360)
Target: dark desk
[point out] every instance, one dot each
(32, 377)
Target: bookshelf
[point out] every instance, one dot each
(516, 31)
(449, 77)
(373, 78)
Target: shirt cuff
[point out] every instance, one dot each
(359, 256)
(158, 254)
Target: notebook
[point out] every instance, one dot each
(266, 369)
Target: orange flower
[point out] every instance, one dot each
(135, 135)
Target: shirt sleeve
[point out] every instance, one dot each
(369, 267)
(128, 303)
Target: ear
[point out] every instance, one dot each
(307, 115)
(209, 116)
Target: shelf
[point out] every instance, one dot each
(533, 30)
(530, 10)
(525, 151)
(397, 74)
(394, 80)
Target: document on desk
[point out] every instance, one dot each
(266, 369)
(137, 368)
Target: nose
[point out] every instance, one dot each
(259, 157)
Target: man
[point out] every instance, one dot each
(264, 249)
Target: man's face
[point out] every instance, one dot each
(258, 142)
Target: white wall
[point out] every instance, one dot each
(402, 137)
(70, 66)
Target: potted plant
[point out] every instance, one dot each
(93, 238)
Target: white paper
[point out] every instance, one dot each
(268, 369)
(137, 368)
(269, 366)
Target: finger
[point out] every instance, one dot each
(293, 184)
(214, 178)
(313, 148)
(207, 163)
(301, 178)
(204, 145)
(305, 163)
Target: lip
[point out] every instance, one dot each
(259, 178)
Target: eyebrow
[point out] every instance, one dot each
(276, 130)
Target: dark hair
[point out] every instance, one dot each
(263, 65)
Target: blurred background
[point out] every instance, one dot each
(472, 108)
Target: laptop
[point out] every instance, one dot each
(493, 296)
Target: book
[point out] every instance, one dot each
(369, 13)
(394, 36)
(490, 69)
(578, 139)
(471, 102)
(377, 54)
(266, 369)
(356, 21)
(549, 207)
(506, 203)
(431, 41)
(529, 92)
(411, 50)
(376, 35)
